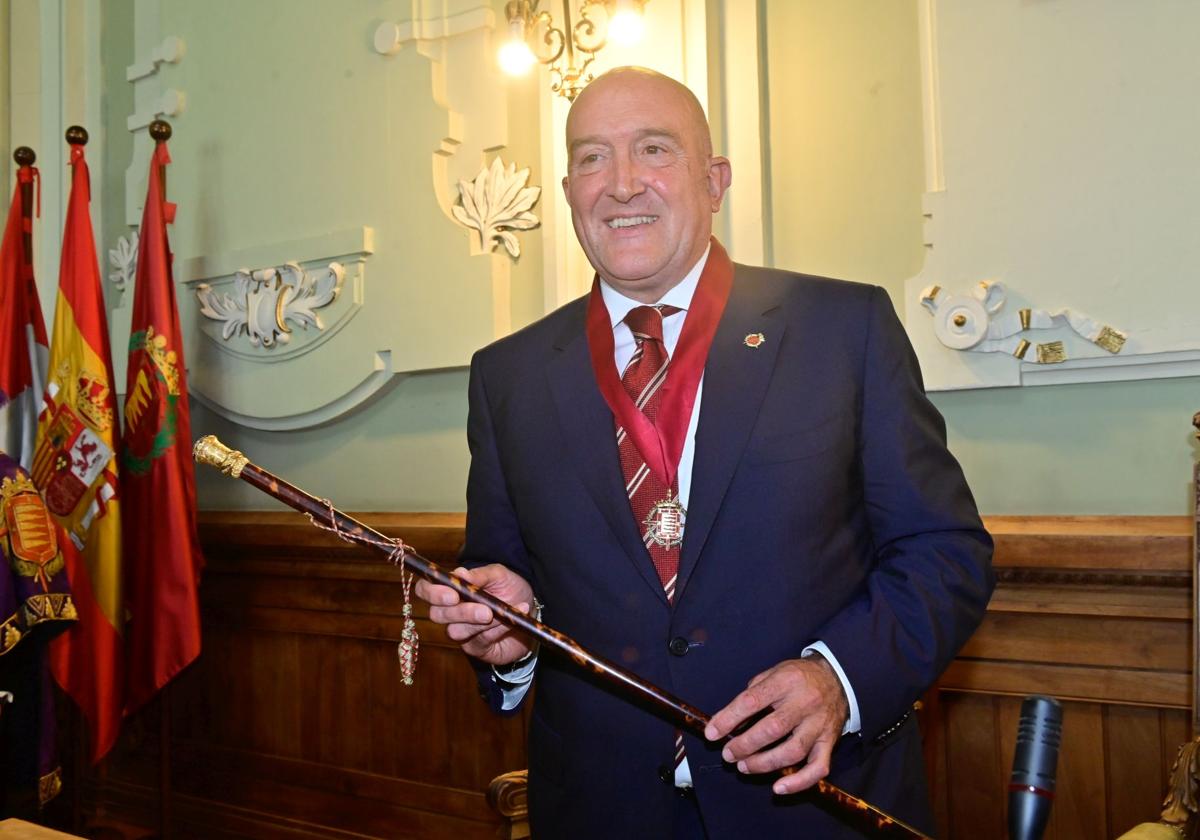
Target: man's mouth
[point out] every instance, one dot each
(631, 221)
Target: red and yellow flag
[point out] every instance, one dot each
(162, 552)
(75, 466)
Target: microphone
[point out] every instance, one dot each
(1031, 789)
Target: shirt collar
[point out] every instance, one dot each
(679, 295)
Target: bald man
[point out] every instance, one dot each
(729, 480)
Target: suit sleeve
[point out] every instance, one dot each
(932, 575)
(492, 534)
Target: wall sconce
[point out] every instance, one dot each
(568, 50)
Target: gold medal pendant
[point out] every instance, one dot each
(665, 523)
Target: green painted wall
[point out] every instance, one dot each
(844, 93)
(845, 148)
(405, 449)
(847, 174)
(1097, 448)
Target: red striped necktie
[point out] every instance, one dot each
(653, 502)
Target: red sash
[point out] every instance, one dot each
(661, 444)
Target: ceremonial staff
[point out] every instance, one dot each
(209, 450)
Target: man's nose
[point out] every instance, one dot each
(626, 179)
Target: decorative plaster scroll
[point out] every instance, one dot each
(287, 380)
(170, 51)
(974, 323)
(123, 259)
(390, 37)
(266, 300)
(494, 205)
(256, 303)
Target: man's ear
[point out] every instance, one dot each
(566, 183)
(720, 176)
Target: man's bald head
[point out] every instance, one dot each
(614, 81)
(641, 180)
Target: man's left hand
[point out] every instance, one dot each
(807, 711)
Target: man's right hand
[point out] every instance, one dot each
(473, 625)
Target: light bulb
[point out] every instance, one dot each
(626, 26)
(516, 58)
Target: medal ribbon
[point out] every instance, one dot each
(661, 444)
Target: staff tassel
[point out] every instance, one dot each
(209, 450)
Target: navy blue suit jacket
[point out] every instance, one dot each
(824, 505)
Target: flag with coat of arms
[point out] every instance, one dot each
(162, 551)
(75, 467)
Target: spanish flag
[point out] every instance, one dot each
(75, 466)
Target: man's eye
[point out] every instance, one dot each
(654, 150)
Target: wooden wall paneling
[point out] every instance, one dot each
(931, 719)
(1176, 731)
(1096, 611)
(1008, 714)
(973, 767)
(294, 722)
(1114, 643)
(1080, 794)
(1136, 765)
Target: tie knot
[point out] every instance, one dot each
(646, 322)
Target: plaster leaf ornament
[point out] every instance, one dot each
(495, 204)
(123, 258)
(973, 322)
(267, 302)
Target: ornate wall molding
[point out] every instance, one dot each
(248, 329)
(230, 292)
(1092, 577)
(169, 102)
(1003, 200)
(123, 260)
(390, 36)
(460, 50)
(268, 302)
(380, 372)
(151, 96)
(974, 322)
(494, 205)
(170, 51)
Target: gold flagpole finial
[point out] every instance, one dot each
(209, 450)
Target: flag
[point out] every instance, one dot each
(35, 604)
(22, 330)
(75, 467)
(162, 551)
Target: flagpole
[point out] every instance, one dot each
(25, 156)
(160, 131)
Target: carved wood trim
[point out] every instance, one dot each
(1092, 577)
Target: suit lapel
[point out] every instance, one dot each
(587, 426)
(735, 383)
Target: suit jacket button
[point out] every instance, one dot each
(678, 646)
(666, 774)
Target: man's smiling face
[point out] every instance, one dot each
(642, 182)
